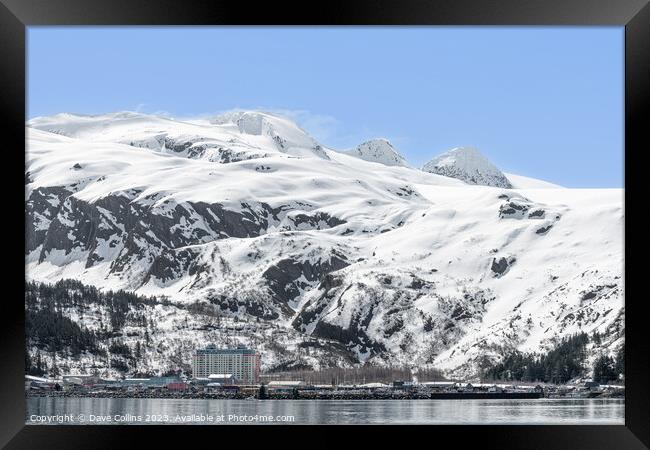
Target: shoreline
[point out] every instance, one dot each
(302, 396)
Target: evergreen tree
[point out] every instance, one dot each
(620, 361)
(604, 370)
(559, 365)
(48, 325)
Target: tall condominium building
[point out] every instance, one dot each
(242, 363)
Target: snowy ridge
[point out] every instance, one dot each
(286, 135)
(469, 165)
(226, 138)
(368, 263)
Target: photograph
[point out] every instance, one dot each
(324, 225)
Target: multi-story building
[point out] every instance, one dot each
(242, 363)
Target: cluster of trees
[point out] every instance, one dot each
(34, 366)
(122, 307)
(567, 360)
(52, 331)
(562, 363)
(119, 348)
(607, 369)
(49, 328)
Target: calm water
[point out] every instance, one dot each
(199, 411)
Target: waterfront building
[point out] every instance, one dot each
(80, 380)
(136, 382)
(177, 386)
(288, 385)
(151, 382)
(374, 386)
(402, 385)
(222, 378)
(39, 383)
(241, 363)
(215, 379)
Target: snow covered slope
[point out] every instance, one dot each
(226, 138)
(379, 150)
(469, 165)
(321, 257)
(519, 182)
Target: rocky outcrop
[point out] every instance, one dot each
(288, 277)
(148, 236)
(500, 266)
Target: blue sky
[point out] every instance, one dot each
(545, 102)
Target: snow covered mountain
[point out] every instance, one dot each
(380, 151)
(469, 165)
(259, 235)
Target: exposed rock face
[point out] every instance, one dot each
(544, 229)
(501, 265)
(41, 208)
(469, 165)
(149, 236)
(514, 209)
(382, 326)
(288, 277)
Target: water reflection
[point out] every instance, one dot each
(538, 411)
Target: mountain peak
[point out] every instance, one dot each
(379, 150)
(469, 165)
(287, 136)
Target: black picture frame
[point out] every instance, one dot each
(16, 15)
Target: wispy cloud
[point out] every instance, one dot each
(143, 108)
(321, 126)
